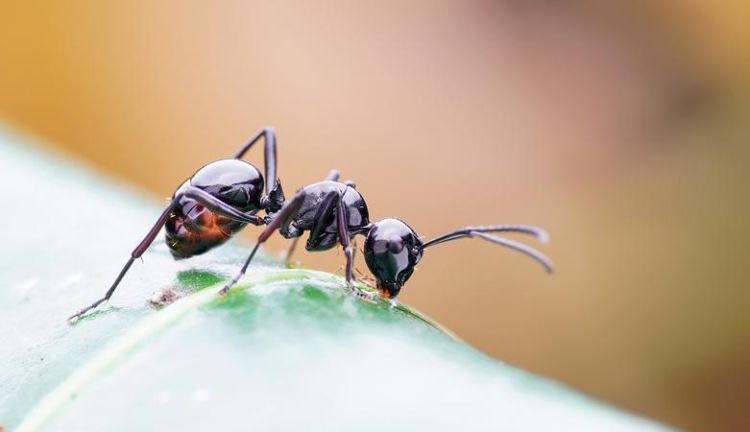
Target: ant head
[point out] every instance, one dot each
(392, 249)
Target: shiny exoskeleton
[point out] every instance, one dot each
(192, 228)
(218, 201)
(224, 196)
(392, 249)
(318, 216)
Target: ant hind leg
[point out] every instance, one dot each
(137, 252)
(274, 192)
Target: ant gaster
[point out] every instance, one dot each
(214, 204)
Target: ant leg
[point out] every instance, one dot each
(332, 209)
(219, 207)
(324, 217)
(281, 220)
(287, 255)
(342, 220)
(342, 224)
(274, 193)
(266, 132)
(137, 252)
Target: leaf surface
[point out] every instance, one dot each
(285, 350)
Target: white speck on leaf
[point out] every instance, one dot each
(26, 286)
(200, 396)
(69, 281)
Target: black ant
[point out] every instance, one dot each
(214, 204)
(223, 197)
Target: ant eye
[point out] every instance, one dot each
(393, 246)
(379, 246)
(396, 246)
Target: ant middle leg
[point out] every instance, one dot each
(286, 256)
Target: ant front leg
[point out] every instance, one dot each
(137, 252)
(281, 220)
(342, 224)
(331, 210)
(274, 198)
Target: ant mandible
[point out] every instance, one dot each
(392, 248)
(210, 207)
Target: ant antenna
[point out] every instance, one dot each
(481, 232)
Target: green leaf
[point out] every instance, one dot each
(284, 350)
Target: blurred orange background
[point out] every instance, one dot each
(621, 127)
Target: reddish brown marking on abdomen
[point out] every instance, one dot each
(187, 238)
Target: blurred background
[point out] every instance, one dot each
(621, 127)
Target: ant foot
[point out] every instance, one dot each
(231, 283)
(291, 264)
(362, 295)
(223, 291)
(74, 318)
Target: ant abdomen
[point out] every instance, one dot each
(193, 235)
(192, 229)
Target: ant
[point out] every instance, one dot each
(222, 198)
(392, 248)
(218, 201)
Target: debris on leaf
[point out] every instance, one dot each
(163, 298)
